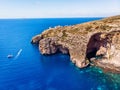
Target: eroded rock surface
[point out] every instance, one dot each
(95, 42)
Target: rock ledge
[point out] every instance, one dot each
(96, 42)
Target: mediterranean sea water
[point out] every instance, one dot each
(29, 70)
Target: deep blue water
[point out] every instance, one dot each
(29, 70)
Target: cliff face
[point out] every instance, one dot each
(94, 42)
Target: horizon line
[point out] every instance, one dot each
(54, 17)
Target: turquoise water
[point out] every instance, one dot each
(29, 70)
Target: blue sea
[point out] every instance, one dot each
(29, 70)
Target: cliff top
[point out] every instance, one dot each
(83, 41)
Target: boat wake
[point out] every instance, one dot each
(18, 54)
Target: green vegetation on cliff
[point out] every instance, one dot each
(84, 42)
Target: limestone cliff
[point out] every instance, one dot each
(96, 42)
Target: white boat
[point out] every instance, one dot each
(10, 56)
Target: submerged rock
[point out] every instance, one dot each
(86, 41)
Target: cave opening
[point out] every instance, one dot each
(93, 46)
(91, 54)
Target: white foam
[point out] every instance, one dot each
(18, 54)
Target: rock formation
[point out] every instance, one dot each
(96, 42)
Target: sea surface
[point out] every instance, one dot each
(29, 70)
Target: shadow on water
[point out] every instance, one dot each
(91, 76)
(59, 66)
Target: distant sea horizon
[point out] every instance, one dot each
(53, 17)
(30, 70)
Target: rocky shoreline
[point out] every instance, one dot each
(96, 42)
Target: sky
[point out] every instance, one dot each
(58, 8)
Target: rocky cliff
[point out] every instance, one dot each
(96, 42)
